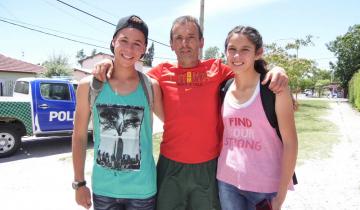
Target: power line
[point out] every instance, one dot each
(53, 4)
(50, 34)
(89, 4)
(87, 13)
(6, 20)
(21, 22)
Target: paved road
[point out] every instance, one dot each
(39, 176)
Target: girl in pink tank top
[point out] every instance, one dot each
(254, 164)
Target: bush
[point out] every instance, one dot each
(354, 90)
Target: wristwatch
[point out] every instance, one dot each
(76, 184)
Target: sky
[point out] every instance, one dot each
(278, 21)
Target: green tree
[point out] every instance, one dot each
(149, 56)
(299, 43)
(347, 51)
(354, 90)
(212, 52)
(223, 58)
(319, 86)
(313, 76)
(276, 55)
(80, 55)
(296, 69)
(307, 83)
(57, 65)
(93, 52)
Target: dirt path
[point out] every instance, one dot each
(332, 183)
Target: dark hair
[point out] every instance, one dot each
(131, 21)
(254, 36)
(187, 19)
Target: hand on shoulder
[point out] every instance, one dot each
(103, 70)
(278, 79)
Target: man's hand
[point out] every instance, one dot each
(83, 197)
(278, 79)
(103, 70)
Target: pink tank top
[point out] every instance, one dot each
(251, 153)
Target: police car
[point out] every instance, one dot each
(38, 107)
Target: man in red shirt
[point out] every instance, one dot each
(186, 170)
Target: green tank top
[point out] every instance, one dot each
(124, 166)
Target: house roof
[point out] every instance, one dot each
(14, 65)
(87, 71)
(92, 56)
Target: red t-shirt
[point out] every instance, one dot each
(191, 107)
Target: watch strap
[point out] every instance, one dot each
(76, 184)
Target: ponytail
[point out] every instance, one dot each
(260, 66)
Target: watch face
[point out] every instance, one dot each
(76, 185)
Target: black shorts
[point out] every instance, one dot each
(108, 203)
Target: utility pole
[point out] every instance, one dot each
(201, 22)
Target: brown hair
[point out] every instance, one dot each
(186, 19)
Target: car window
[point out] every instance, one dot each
(55, 91)
(75, 87)
(22, 87)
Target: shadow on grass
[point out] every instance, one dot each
(317, 105)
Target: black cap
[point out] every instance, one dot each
(131, 21)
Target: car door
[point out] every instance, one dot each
(55, 106)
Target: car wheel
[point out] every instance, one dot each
(9, 142)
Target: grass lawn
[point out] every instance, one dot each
(316, 135)
(157, 137)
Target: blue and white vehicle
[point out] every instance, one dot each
(38, 107)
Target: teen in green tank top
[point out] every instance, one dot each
(123, 173)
